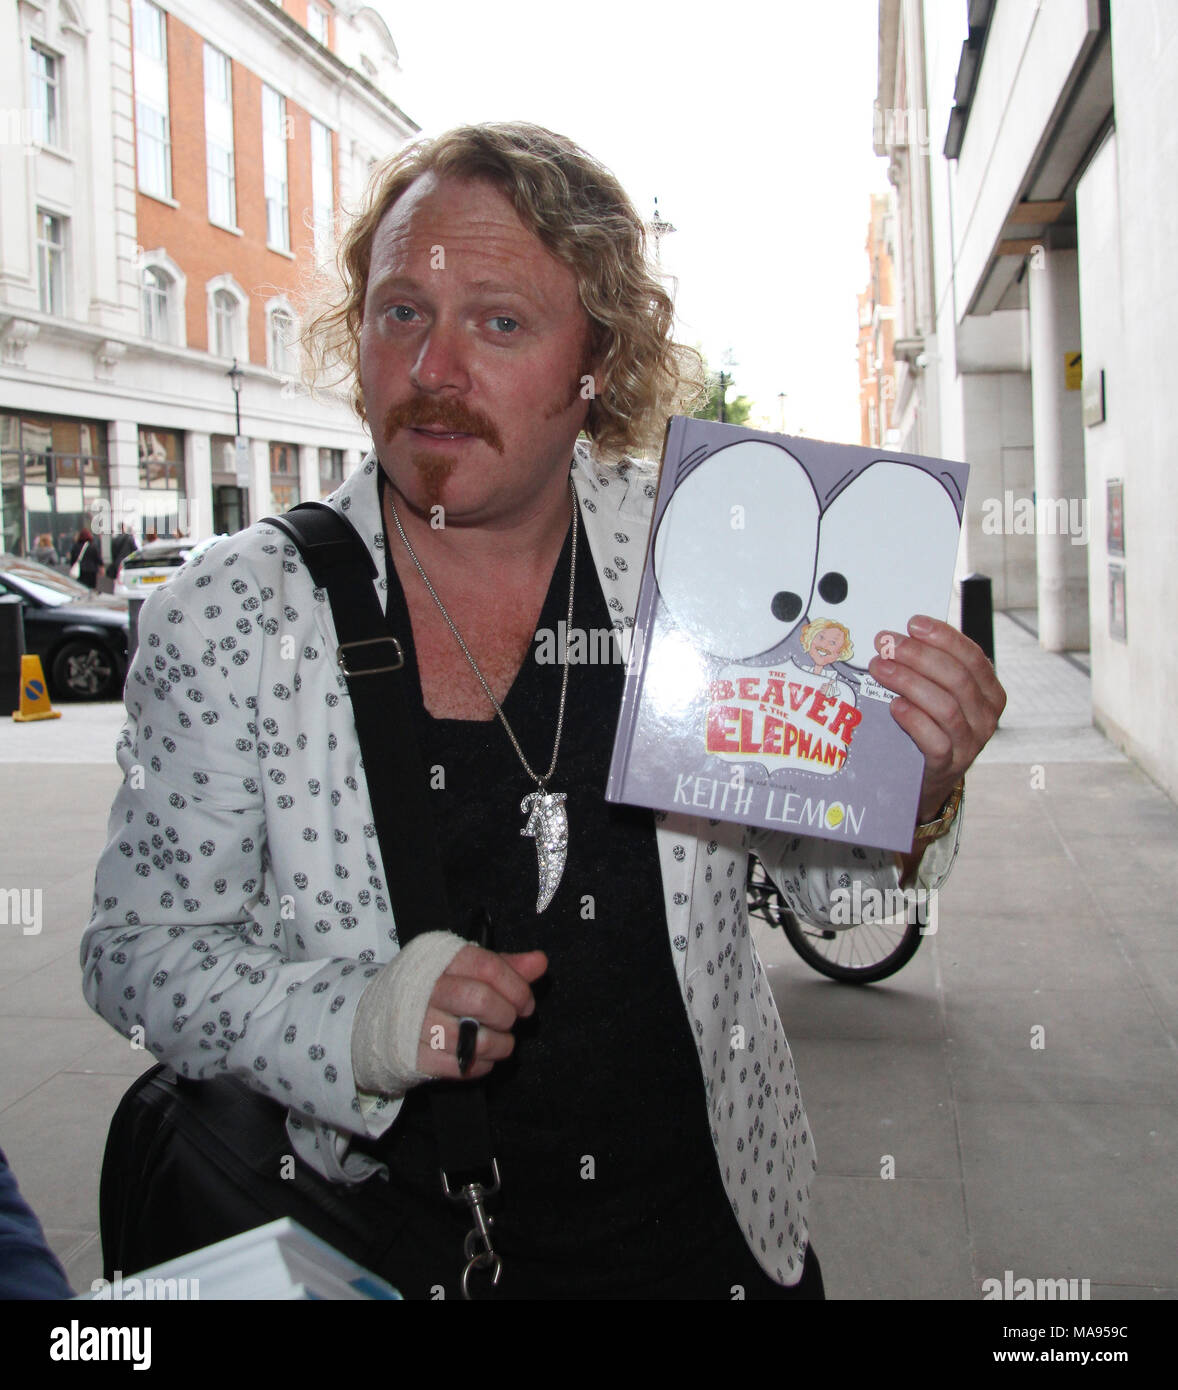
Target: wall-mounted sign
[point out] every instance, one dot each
(1073, 370)
(1092, 400)
(1116, 517)
(1116, 602)
(241, 457)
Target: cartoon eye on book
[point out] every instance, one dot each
(884, 544)
(744, 552)
(736, 547)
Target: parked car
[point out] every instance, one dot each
(80, 636)
(154, 563)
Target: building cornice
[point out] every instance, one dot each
(110, 351)
(267, 12)
(889, 42)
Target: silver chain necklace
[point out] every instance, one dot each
(547, 820)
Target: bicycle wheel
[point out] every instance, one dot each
(854, 956)
(764, 900)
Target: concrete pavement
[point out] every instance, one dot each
(1021, 1072)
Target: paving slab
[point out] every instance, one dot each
(1072, 1190)
(868, 1105)
(85, 733)
(54, 1136)
(891, 1239)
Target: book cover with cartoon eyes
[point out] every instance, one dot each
(773, 563)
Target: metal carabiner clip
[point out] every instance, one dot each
(474, 1194)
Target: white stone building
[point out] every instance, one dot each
(1034, 153)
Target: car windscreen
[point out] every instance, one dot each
(44, 585)
(145, 560)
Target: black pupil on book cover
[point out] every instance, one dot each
(833, 587)
(786, 606)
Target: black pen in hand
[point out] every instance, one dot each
(468, 1028)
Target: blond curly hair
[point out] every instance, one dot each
(581, 214)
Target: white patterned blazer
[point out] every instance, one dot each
(240, 907)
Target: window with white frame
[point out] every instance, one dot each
(225, 321)
(162, 292)
(45, 94)
(322, 190)
(152, 126)
(227, 308)
(274, 170)
(282, 329)
(219, 137)
(51, 262)
(155, 305)
(317, 22)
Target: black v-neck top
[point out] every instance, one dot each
(599, 1119)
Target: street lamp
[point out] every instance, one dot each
(658, 228)
(240, 444)
(236, 376)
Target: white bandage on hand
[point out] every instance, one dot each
(386, 1032)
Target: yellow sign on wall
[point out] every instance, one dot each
(1073, 370)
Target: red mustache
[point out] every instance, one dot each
(444, 411)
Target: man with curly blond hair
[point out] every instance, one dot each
(641, 1094)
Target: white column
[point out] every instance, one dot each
(198, 484)
(120, 135)
(259, 480)
(122, 445)
(1061, 556)
(308, 473)
(18, 268)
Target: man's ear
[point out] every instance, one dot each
(593, 381)
(596, 369)
(587, 385)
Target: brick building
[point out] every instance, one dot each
(877, 330)
(173, 181)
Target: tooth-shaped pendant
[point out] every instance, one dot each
(548, 825)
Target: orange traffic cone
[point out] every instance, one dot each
(34, 694)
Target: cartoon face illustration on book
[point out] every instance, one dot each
(789, 589)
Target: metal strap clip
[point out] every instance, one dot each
(397, 661)
(480, 1253)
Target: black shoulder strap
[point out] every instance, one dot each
(372, 661)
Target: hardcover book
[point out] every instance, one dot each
(281, 1260)
(773, 563)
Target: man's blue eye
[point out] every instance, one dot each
(503, 324)
(402, 312)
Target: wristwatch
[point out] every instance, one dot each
(934, 829)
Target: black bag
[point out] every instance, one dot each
(189, 1163)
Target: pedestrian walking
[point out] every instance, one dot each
(85, 558)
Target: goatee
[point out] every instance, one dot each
(433, 473)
